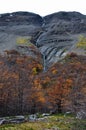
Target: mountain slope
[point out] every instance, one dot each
(31, 79)
(55, 35)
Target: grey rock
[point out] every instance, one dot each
(62, 31)
(43, 119)
(14, 120)
(67, 113)
(55, 35)
(46, 114)
(81, 114)
(2, 120)
(33, 117)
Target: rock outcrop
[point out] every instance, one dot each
(17, 32)
(62, 31)
(55, 35)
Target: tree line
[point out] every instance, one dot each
(25, 88)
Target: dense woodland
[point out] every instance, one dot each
(26, 88)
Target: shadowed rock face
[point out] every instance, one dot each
(20, 18)
(55, 35)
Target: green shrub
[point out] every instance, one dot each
(79, 125)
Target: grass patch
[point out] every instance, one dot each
(68, 122)
(79, 125)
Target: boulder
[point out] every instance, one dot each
(15, 120)
(81, 115)
(33, 117)
(46, 114)
(2, 120)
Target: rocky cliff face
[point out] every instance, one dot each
(55, 35)
(62, 31)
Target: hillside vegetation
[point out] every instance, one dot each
(26, 88)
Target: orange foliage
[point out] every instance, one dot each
(24, 86)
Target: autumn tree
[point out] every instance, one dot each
(57, 94)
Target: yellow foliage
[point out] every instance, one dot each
(82, 42)
(54, 71)
(21, 40)
(34, 70)
(24, 41)
(37, 69)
